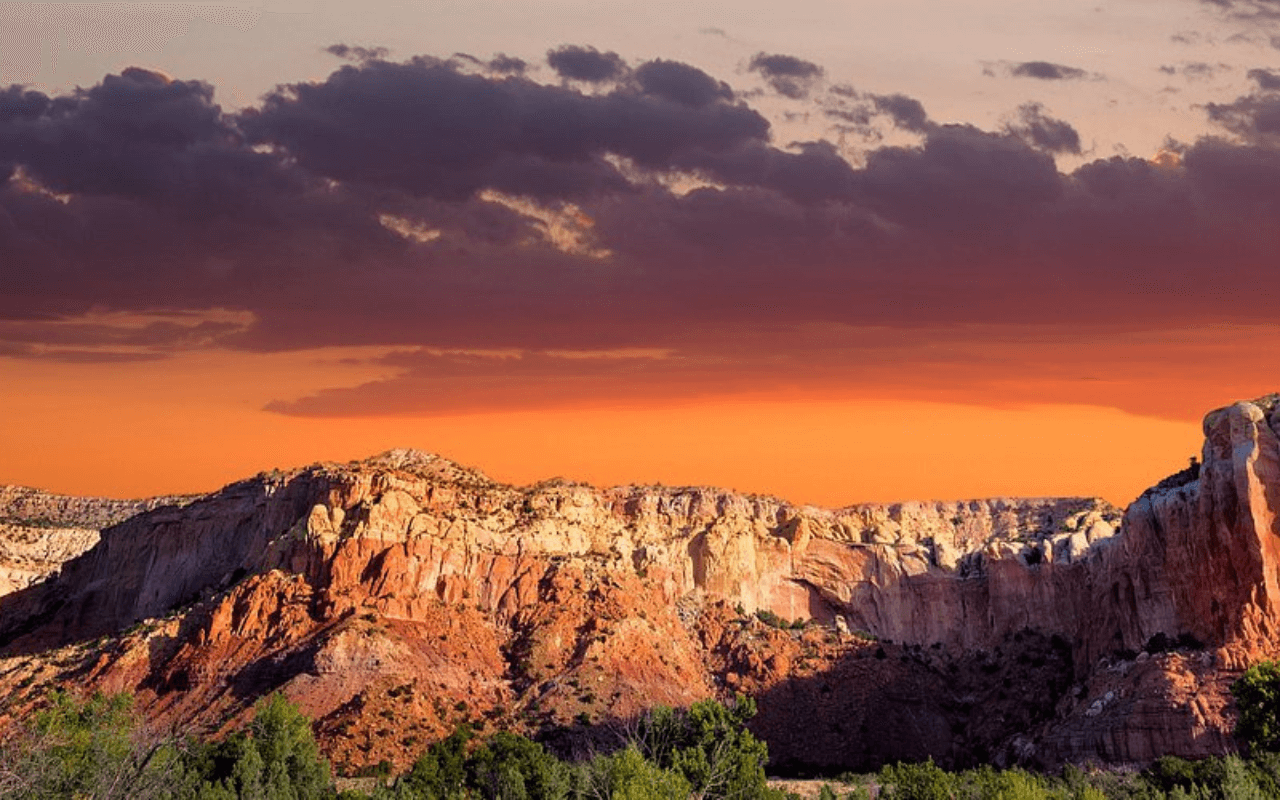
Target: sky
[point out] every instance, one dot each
(833, 251)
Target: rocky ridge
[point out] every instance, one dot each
(40, 530)
(396, 596)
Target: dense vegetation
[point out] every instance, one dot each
(95, 750)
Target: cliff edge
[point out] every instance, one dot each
(396, 596)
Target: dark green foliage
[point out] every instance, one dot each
(95, 749)
(709, 745)
(1257, 694)
(441, 772)
(275, 759)
(704, 750)
(771, 619)
(511, 767)
(926, 781)
(505, 766)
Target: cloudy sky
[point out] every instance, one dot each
(837, 251)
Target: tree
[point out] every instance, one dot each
(441, 772)
(511, 767)
(626, 775)
(709, 745)
(275, 759)
(924, 781)
(89, 748)
(1257, 694)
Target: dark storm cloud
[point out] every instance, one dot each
(787, 75)
(429, 130)
(586, 64)
(961, 179)
(135, 134)
(1046, 71)
(1045, 132)
(424, 205)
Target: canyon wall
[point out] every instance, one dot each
(39, 531)
(395, 596)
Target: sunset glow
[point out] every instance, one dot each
(899, 252)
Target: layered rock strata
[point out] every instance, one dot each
(397, 596)
(40, 530)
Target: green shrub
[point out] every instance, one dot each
(924, 781)
(1257, 694)
(510, 767)
(88, 748)
(276, 758)
(709, 745)
(627, 775)
(441, 772)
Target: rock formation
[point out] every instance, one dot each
(397, 596)
(39, 530)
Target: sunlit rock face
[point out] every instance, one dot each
(396, 596)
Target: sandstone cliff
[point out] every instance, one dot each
(396, 596)
(39, 530)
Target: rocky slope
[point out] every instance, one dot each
(40, 530)
(396, 596)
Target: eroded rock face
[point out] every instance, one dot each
(39, 531)
(396, 596)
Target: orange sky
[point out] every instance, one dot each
(945, 260)
(132, 429)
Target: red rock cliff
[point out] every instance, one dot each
(395, 596)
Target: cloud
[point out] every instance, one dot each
(117, 338)
(508, 65)
(425, 128)
(550, 243)
(1255, 118)
(1044, 132)
(681, 83)
(355, 53)
(857, 111)
(1046, 71)
(1195, 70)
(586, 64)
(906, 112)
(1262, 10)
(787, 75)
(1198, 368)
(1268, 80)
